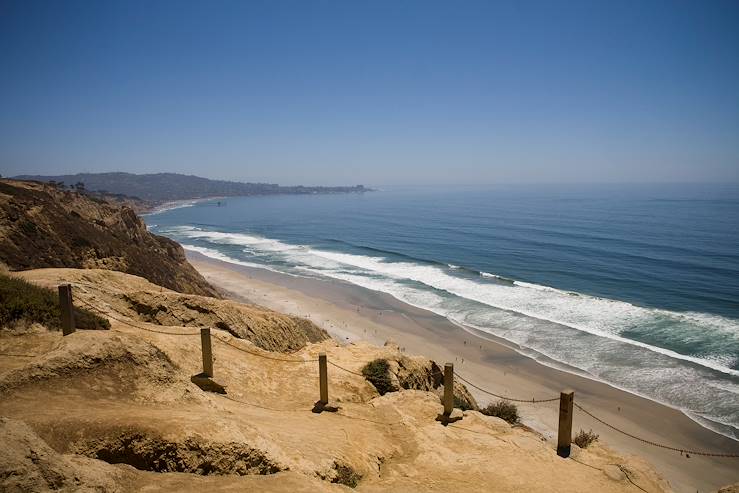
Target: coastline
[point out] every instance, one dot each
(176, 204)
(351, 313)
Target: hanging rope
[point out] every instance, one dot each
(499, 396)
(273, 358)
(654, 444)
(504, 397)
(131, 324)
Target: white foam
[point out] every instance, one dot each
(655, 381)
(598, 316)
(488, 274)
(215, 254)
(257, 242)
(664, 375)
(169, 206)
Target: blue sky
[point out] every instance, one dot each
(373, 92)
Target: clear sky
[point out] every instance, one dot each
(373, 92)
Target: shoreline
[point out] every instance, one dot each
(351, 313)
(176, 204)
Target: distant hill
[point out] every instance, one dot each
(42, 225)
(162, 187)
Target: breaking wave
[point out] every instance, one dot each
(683, 359)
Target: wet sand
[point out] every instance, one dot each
(351, 313)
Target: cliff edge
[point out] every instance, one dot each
(117, 411)
(43, 226)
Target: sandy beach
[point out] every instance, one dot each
(351, 313)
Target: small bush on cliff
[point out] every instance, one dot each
(504, 410)
(23, 302)
(346, 475)
(462, 403)
(377, 373)
(85, 319)
(584, 438)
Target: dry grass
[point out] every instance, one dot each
(583, 439)
(24, 303)
(504, 410)
(377, 373)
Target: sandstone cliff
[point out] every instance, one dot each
(137, 300)
(42, 226)
(120, 413)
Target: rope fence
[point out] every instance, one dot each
(261, 406)
(264, 356)
(222, 340)
(131, 324)
(533, 400)
(307, 409)
(566, 398)
(655, 444)
(26, 355)
(621, 468)
(345, 369)
(18, 355)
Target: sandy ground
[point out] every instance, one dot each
(351, 314)
(115, 410)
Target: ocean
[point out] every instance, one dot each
(633, 285)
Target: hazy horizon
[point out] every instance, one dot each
(410, 185)
(383, 94)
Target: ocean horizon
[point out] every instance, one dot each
(636, 286)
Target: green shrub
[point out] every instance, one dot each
(85, 319)
(377, 373)
(584, 438)
(346, 475)
(504, 410)
(21, 301)
(462, 403)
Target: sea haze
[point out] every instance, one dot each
(633, 285)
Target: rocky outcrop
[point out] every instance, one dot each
(191, 454)
(119, 294)
(419, 373)
(27, 463)
(83, 440)
(265, 328)
(42, 226)
(116, 411)
(135, 367)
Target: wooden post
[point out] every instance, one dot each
(448, 389)
(323, 378)
(207, 352)
(564, 437)
(322, 403)
(65, 305)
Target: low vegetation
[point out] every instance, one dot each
(346, 475)
(583, 439)
(45, 226)
(462, 404)
(377, 372)
(24, 303)
(504, 410)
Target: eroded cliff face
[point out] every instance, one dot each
(141, 301)
(117, 411)
(42, 226)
